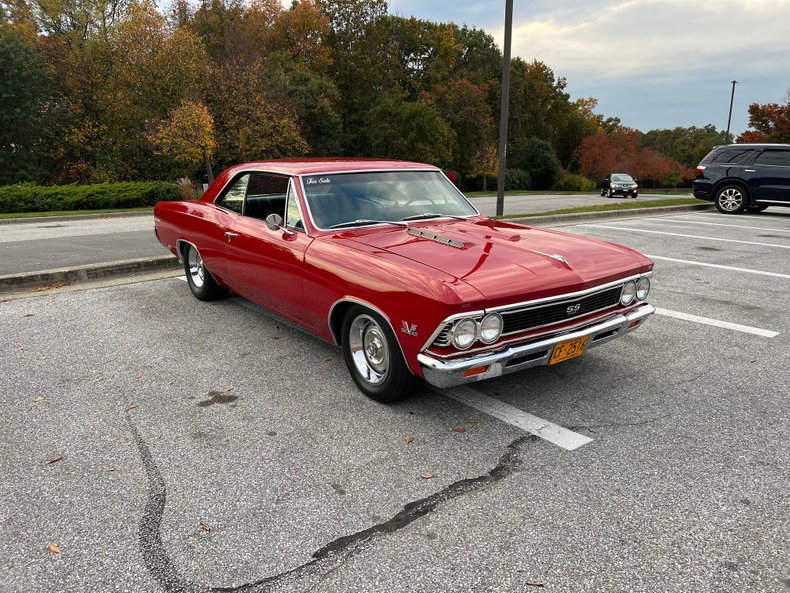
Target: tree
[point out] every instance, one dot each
(411, 131)
(463, 106)
(771, 123)
(485, 163)
(536, 157)
(187, 135)
(597, 156)
(24, 93)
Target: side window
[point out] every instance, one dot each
(233, 198)
(293, 217)
(266, 194)
(731, 156)
(774, 157)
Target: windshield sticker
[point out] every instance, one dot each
(317, 180)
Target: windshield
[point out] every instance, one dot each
(622, 178)
(355, 199)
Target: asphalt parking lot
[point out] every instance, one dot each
(158, 443)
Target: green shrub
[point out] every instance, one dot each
(27, 197)
(569, 182)
(517, 179)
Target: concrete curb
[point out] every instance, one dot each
(62, 276)
(550, 219)
(68, 217)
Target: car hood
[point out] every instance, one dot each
(505, 261)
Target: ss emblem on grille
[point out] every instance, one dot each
(573, 309)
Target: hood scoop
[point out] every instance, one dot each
(423, 234)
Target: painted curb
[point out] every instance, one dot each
(85, 273)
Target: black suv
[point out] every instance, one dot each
(619, 183)
(739, 177)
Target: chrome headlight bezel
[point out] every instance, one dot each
(628, 293)
(642, 288)
(491, 317)
(467, 325)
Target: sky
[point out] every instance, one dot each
(652, 63)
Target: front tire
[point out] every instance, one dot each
(373, 357)
(200, 280)
(730, 199)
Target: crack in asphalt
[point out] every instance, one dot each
(332, 555)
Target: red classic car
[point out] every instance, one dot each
(390, 261)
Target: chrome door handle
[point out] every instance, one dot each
(229, 235)
(750, 170)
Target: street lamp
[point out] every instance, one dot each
(503, 112)
(729, 117)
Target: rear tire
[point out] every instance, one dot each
(373, 356)
(730, 199)
(200, 280)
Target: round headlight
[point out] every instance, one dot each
(464, 333)
(642, 288)
(629, 293)
(490, 328)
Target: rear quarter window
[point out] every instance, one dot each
(730, 157)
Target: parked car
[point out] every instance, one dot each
(619, 184)
(738, 177)
(390, 261)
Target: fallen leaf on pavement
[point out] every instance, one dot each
(534, 584)
(40, 398)
(204, 527)
(227, 389)
(409, 440)
(132, 406)
(54, 548)
(28, 315)
(109, 469)
(459, 429)
(427, 476)
(140, 376)
(56, 459)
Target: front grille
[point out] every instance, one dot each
(443, 339)
(542, 315)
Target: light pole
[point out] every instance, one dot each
(504, 109)
(729, 117)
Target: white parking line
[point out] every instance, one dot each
(734, 226)
(719, 266)
(765, 333)
(557, 435)
(633, 230)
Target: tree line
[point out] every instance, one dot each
(97, 91)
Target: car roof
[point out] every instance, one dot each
(312, 166)
(751, 145)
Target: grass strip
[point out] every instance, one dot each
(73, 212)
(608, 207)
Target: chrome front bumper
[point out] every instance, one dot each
(447, 373)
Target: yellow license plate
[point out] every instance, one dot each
(569, 349)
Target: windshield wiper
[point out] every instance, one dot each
(433, 215)
(366, 221)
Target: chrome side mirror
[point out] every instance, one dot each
(274, 222)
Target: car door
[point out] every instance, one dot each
(770, 175)
(263, 265)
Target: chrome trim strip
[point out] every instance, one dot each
(785, 203)
(450, 373)
(350, 299)
(178, 248)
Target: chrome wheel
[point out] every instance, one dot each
(196, 270)
(369, 349)
(731, 199)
